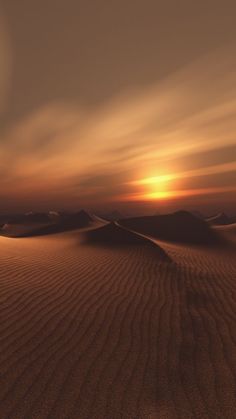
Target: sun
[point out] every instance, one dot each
(154, 187)
(157, 195)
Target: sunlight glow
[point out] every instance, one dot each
(175, 194)
(155, 180)
(158, 195)
(155, 186)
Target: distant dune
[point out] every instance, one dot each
(219, 219)
(22, 230)
(28, 218)
(112, 216)
(43, 224)
(180, 226)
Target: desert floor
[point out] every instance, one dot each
(99, 331)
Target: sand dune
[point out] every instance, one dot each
(38, 225)
(228, 232)
(181, 226)
(219, 219)
(98, 331)
(114, 235)
(23, 229)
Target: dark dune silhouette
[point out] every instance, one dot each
(35, 225)
(198, 214)
(180, 226)
(28, 218)
(219, 219)
(112, 216)
(37, 218)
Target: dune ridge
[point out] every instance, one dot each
(113, 235)
(219, 219)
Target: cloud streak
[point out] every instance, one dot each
(140, 134)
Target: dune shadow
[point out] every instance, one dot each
(180, 227)
(113, 236)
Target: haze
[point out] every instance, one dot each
(118, 104)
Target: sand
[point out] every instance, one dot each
(94, 330)
(181, 227)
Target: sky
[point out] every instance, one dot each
(126, 105)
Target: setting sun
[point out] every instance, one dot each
(158, 195)
(154, 187)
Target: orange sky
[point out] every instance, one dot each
(110, 104)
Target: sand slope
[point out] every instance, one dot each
(181, 226)
(113, 235)
(91, 331)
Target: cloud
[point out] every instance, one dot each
(6, 63)
(167, 128)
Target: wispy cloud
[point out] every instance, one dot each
(140, 134)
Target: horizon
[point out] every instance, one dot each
(126, 213)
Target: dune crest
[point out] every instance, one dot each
(114, 235)
(219, 219)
